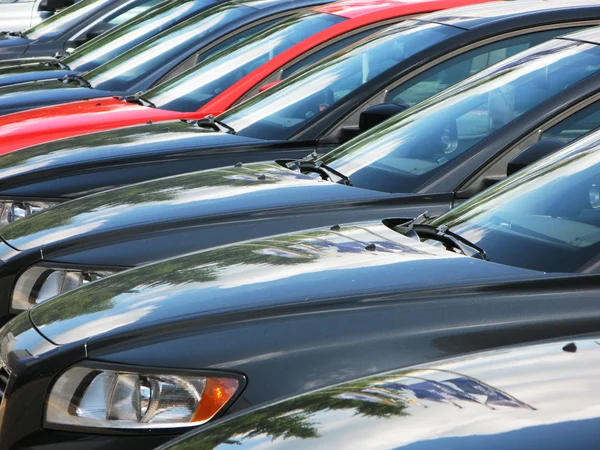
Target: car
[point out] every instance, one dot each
(249, 323)
(18, 15)
(539, 396)
(212, 77)
(429, 158)
(319, 126)
(148, 63)
(103, 48)
(71, 27)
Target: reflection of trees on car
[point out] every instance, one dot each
(299, 417)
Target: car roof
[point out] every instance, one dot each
(591, 35)
(473, 16)
(351, 9)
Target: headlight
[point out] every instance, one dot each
(40, 283)
(14, 210)
(88, 397)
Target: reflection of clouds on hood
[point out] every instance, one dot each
(100, 325)
(65, 232)
(560, 386)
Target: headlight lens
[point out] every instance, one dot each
(11, 211)
(88, 397)
(40, 283)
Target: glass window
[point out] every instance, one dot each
(456, 69)
(286, 107)
(130, 67)
(124, 37)
(328, 50)
(62, 21)
(194, 88)
(576, 125)
(137, 9)
(546, 217)
(404, 152)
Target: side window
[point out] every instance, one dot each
(457, 69)
(202, 55)
(329, 50)
(576, 125)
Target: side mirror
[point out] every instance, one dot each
(532, 154)
(268, 85)
(374, 115)
(55, 5)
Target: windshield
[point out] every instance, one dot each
(192, 89)
(128, 35)
(130, 67)
(61, 22)
(546, 217)
(286, 107)
(404, 152)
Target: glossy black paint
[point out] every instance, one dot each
(33, 94)
(266, 308)
(524, 397)
(19, 47)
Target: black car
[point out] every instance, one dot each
(129, 359)
(431, 157)
(306, 118)
(103, 48)
(163, 55)
(71, 27)
(535, 397)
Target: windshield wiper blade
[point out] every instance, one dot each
(18, 34)
(312, 164)
(138, 99)
(78, 79)
(57, 63)
(210, 121)
(450, 240)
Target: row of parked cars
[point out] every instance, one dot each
(285, 224)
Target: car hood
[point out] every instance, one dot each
(190, 199)
(107, 146)
(33, 71)
(74, 119)
(311, 267)
(35, 94)
(494, 400)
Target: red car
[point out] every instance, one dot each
(237, 72)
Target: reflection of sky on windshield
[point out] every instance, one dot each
(391, 136)
(162, 45)
(155, 23)
(62, 20)
(377, 49)
(206, 74)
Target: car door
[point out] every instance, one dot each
(439, 75)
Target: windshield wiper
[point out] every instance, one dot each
(211, 122)
(18, 34)
(78, 79)
(451, 241)
(138, 99)
(57, 63)
(312, 164)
